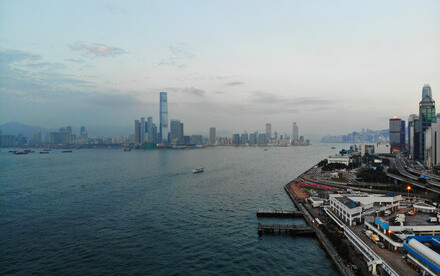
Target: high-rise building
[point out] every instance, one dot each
(150, 130)
(137, 132)
(411, 131)
(163, 127)
(295, 132)
(244, 138)
(83, 133)
(397, 134)
(142, 130)
(236, 139)
(268, 131)
(427, 116)
(212, 135)
(176, 132)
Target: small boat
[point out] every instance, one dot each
(333, 148)
(21, 152)
(127, 149)
(198, 170)
(66, 151)
(44, 152)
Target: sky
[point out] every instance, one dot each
(331, 66)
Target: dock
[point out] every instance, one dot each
(290, 229)
(279, 213)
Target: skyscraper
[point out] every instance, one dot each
(295, 132)
(427, 116)
(176, 132)
(397, 134)
(411, 131)
(212, 135)
(163, 127)
(268, 131)
(142, 130)
(150, 130)
(137, 132)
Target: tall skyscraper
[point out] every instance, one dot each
(295, 132)
(397, 134)
(411, 133)
(150, 130)
(137, 132)
(268, 131)
(212, 135)
(427, 116)
(142, 130)
(163, 127)
(176, 132)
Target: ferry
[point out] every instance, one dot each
(198, 170)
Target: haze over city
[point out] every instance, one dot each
(333, 67)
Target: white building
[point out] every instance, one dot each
(352, 207)
(382, 148)
(339, 159)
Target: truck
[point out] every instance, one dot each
(368, 233)
(375, 238)
(432, 220)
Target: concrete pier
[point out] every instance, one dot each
(284, 229)
(279, 213)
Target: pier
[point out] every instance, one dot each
(279, 213)
(284, 229)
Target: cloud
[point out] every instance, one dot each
(269, 98)
(113, 100)
(234, 83)
(99, 50)
(178, 56)
(187, 90)
(13, 56)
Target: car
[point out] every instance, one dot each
(381, 245)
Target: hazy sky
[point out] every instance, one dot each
(331, 66)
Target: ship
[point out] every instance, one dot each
(198, 170)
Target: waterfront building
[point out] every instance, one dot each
(83, 133)
(36, 138)
(142, 130)
(295, 132)
(163, 127)
(176, 132)
(353, 207)
(196, 139)
(212, 135)
(137, 132)
(252, 139)
(262, 139)
(7, 140)
(236, 139)
(244, 138)
(268, 131)
(339, 159)
(397, 134)
(150, 138)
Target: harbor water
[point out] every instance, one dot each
(111, 212)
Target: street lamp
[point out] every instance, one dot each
(408, 189)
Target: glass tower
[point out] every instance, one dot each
(163, 127)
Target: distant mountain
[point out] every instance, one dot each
(15, 128)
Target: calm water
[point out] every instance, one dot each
(109, 212)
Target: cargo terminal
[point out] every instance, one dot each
(400, 235)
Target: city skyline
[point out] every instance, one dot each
(323, 62)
